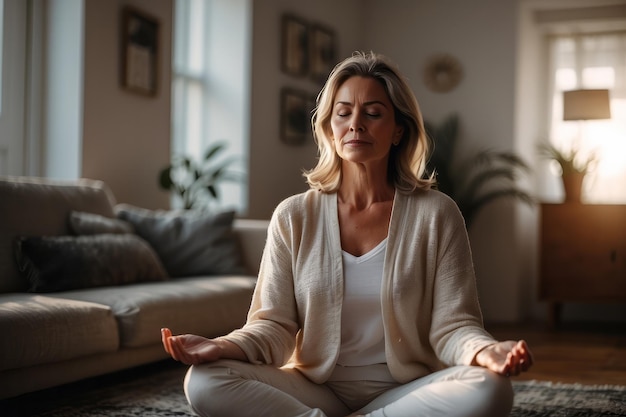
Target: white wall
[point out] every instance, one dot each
(126, 136)
(481, 34)
(496, 102)
(275, 167)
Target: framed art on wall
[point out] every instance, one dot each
(295, 116)
(322, 54)
(140, 51)
(295, 47)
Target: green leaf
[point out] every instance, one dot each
(476, 179)
(472, 208)
(165, 179)
(197, 182)
(211, 189)
(213, 150)
(569, 161)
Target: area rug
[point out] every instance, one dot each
(539, 399)
(157, 392)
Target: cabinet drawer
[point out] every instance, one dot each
(583, 252)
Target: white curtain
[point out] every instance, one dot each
(592, 61)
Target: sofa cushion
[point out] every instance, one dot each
(40, 207)
(56, 263)
(189, 242)
(38, 329)
(82, 223)
(208, 306)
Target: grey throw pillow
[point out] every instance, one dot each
(83, 223)
(60, 263)
(189, 242)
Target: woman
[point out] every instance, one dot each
(366, 301)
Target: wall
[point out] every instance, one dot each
(126, 136)
(275, 167)
(481, 34)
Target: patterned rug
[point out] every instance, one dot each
(539, 399)
(156, 391)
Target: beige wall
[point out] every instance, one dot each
(275, 167)
(126, 136)
(481, 34)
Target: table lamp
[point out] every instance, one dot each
(586, 105)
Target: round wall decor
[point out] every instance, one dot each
(442, 73)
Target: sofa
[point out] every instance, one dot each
(86, 283)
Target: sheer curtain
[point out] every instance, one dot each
(592, 61)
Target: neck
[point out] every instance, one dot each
(361, 188)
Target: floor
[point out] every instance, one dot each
(589, 354)
(586, 353)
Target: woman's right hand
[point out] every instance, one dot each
(190, 349)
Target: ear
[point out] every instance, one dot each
(398, 133)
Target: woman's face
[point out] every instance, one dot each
(363, 121)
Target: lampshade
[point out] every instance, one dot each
(586, 105)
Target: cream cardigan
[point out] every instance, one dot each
(430, 307)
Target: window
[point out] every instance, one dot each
(592, 61)
(210, 93)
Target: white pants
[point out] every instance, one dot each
(240, 389)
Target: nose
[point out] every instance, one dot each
(355, 124)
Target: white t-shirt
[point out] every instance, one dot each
(362, 333)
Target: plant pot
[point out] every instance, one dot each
(573, 186)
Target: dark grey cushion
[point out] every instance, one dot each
(83, 223)
(59, 263)
(189, 242)
(31, 206)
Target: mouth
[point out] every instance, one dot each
(355, 142)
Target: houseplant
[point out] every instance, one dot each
(196, 182)
(573, 166)
(477, 180)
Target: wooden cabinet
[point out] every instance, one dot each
(582, 254)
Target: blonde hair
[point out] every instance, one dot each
(407, 160)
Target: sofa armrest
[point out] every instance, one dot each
(252, 235)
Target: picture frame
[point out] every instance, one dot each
(323, 52)
(295, 46)
(140, 51)
(295, 116)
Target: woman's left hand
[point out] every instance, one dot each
(507, 358)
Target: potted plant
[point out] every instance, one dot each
(574, 166)
(196, 183)
(477, 180)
